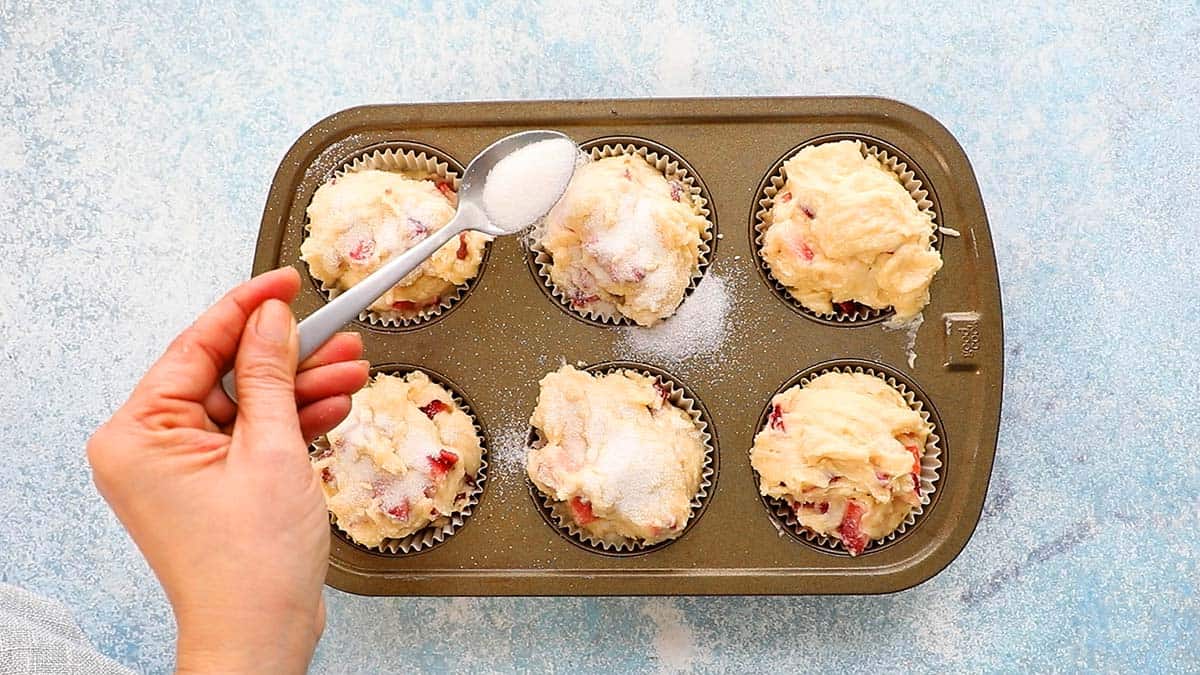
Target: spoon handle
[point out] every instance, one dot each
(322, 324)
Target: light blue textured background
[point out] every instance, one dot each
(136, 147)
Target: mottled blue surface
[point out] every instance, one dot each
(136, 147)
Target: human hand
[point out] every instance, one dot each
(220, 498)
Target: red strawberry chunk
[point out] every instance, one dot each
(808, 212)
(850, 531)
(578, 299)
(848, 307)
(676, 191)
(463, 251)
(582, 511)
(628, 176)
(399, 511)
(785, 197)
(882, 477)
(326, 475)
(662, 391)
(916, 453)
(446, 189)
(776, 417)
(442, 463)
(434, 407)
(806, 251)
(405, 305)
(362, 249)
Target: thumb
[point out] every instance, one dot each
(266, 379)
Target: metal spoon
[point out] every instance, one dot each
(322, 324)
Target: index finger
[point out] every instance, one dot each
(194, 361)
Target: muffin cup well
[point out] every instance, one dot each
(419, 162)
(558, 514)
(673, 167)
(447, 524)
(932, 460)
(910, 176)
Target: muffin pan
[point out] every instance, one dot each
(507, 331)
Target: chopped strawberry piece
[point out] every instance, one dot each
(850, 531)
(662, 391)
(808, 212)
(419, 228)
(776, 417)
(582, 511)
(806, 251)
(676, 191)
(916, 453)
(442, 463)
(326, 475)
(399, 511)
(446, 189)
(785, 197)
(834, 479)
(362, 249)
(405, 306)
(848, 307)
(462, 247)
(882, 477)
(434, 407)
(916, 483)
(628, 176)
(578, 299)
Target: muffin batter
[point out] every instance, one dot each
(406, 457)
(359, 221)
(845, 452)
(843, 230)
(624, 240)
(625, 459)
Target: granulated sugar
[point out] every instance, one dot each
(697, 329)
(507, 452)
(523, 186)
(911, 327)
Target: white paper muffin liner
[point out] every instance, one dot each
(415, 164)
(775, 182)
(559, 513)
(785, 518)
(672, 168)
(447, 524)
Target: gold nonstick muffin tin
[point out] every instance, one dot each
(507, 331)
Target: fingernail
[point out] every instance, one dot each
(274, 323)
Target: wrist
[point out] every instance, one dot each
(224, 643)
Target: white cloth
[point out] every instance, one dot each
(39, 636)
